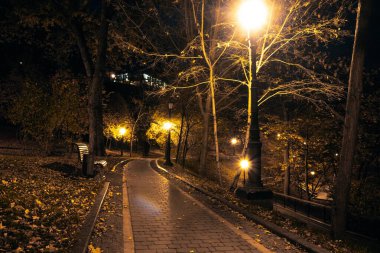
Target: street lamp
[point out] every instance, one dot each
(234, 141)
(122, 132)
(168, 126)
(244, 165)
(252, 16)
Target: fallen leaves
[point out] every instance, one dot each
(39, 203)
(92, 249)
(36, 211)
(2, 226)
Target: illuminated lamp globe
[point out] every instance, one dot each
(252, 14)
(168, 125)
(122, 131)
(244, 164)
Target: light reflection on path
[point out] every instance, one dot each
(165, 218)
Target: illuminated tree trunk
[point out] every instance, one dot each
(180, 135)
(343, 180)
(185, 144)
(131, 146)
(208, 56)
(205, 132)
(215, 123)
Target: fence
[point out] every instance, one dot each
(321, 216)
(307, 208)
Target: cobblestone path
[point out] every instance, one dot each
(166, 219)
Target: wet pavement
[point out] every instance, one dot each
(165, 218)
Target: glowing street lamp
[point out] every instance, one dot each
(244, 165)
(167, 126)
(234, 141)
(252, 15)
(122, 132)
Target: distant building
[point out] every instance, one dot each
(136, 80)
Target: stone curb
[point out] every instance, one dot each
(84, 235)
(129, 242)
(309, 247)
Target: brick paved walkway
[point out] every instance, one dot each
(166, 219)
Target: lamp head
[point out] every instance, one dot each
(244, 164)
(168, 125)
(122, 131)
(234, 141)
(252, 14)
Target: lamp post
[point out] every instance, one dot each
(252, 16)
(168, 126)
(234, 141)
(244, 165)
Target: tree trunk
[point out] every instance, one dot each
(180, 135)
(83, 49)
(307, 165)
(209, 57)
(131, 147)
(185, 143)
(96, 74)
(343, 180)
(204, 144)
(286, 155)
(95, 89)
(215, 124)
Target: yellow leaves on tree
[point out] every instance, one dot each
(157, 131)
(116, 131)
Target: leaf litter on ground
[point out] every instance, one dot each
(41, 206)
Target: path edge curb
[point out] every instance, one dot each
(128, 238)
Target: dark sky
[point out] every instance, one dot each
(373, 50)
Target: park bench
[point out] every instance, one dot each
(83, 153)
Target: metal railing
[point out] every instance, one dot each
(308, 208)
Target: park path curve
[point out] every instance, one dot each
(166, 219)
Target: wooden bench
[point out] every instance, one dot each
(83, 154)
